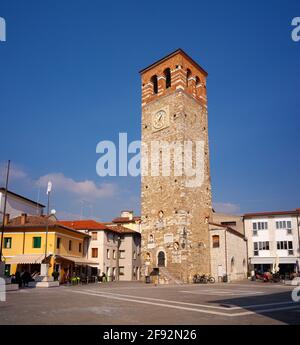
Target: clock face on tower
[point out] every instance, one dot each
(159, 119)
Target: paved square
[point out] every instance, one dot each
(138, 303)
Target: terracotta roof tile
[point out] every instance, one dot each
(86, 224)
(38, 221)
(122, 220)
(121, 229)
(126, 219)
(32, 220)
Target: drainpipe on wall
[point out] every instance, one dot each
(118, 259)
(247, 256)
(226, 259)
(247, 250)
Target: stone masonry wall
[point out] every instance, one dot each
(182, 232)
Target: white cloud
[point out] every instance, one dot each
(226, 207)
(72, 199)
(86, 189)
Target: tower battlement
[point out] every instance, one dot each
(176, 71)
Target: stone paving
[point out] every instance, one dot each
(136, 303)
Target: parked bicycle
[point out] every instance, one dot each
(203, 279)
(275, 278)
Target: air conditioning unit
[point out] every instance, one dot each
(289, 231)
(291, 252)
(254, 232)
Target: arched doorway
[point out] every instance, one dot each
(161, 259)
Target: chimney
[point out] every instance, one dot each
(23, 218)
(6, 219)
(127, 214)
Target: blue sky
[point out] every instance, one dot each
(69, 78)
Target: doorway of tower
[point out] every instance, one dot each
(161, 259)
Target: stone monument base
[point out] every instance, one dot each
(44, 282)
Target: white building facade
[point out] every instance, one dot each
(129, 260)
(112, 249)
(273, 236)
(228, 252)
(17, 204)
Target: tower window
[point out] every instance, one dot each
(188, 75)
(167, 73)
(216, 241)
(155, 84)
(197, 81)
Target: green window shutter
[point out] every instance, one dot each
(37, 242)
(7, 242)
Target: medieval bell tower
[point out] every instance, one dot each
(175, 210)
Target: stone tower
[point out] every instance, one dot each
(175, 211)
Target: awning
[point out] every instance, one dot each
(76, 260)
(271, 260)
(26, 259)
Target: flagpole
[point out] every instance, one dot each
(4, 209)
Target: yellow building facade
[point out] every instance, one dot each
(24, 246)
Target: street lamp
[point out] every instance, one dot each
(45, 266)
(49, 187)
